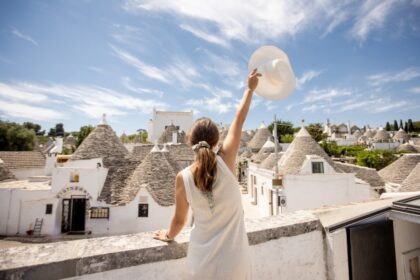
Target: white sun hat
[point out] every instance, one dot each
(278, 80)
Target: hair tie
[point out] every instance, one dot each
(201, 144)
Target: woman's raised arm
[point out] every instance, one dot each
(230, 145)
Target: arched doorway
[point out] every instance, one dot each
(75, 204)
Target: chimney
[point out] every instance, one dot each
(174, 137)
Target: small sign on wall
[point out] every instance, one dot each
(281, 201)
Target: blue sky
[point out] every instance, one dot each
(71, 61)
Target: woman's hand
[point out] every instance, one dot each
(253, 80)
(162, 235)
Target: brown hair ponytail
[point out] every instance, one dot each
(203, 132)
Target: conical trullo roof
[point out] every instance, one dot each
(157, 175)
(369, 133)
(412, 182)
(270, 161)
(70, 140)
(369, 175)
(259, 139)
(102, 142)
(407, 147)
(381, 136)
(170, 159)
(302, 145)
(5, 173)
(264, 152)
(401, 135)
(357, 134)
(167, 135)
(246, 154)
(398, 171)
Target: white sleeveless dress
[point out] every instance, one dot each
(218, 247)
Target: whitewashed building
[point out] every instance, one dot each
(309, 179)
(101, 190)
(162, 119)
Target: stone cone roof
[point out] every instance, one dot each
(259, 139)
(412, 182)
(102, 142)
(369, 133)
(302, 145)
(262, 154)
(181, 152)
(70, 140)
(381, 136)
(369, 175)
(155, 174)
(140, 152)
(408, 147)
(166, 136)
(5, 173)
(270, 161)
(172, 161)
(401, 135)
(398, 171)
(114, 189)
(246, 154)
(357, 134)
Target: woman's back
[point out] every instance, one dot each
(218, 246)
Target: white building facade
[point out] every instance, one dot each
(161, 119)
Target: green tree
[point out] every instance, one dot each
(331, 148)
(83, 133)
(52, 132)
(416, 126)
(387, 126)
(35, 127)
(16, 137)
(401, 124)
(283, 128)
(315, 130)
(410, 125)
(395, 125)
(375, 159)
(59, 129)
(406, 126)
(287, 138)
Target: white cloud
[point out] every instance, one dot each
(391, 106)
(205, 36)
(24, 36)
(256, 22)
(178, 71)
(308, 76)
(90, 100)
(325, 95)
(147, 70)
(402, 76)
(247, 21)
(415, 90)
(24, 111)
(127, 83)
(371, 15)
(96, 69)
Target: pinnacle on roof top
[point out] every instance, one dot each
(262, 125)
(164, 149)
(103, 120)
(155, 148)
